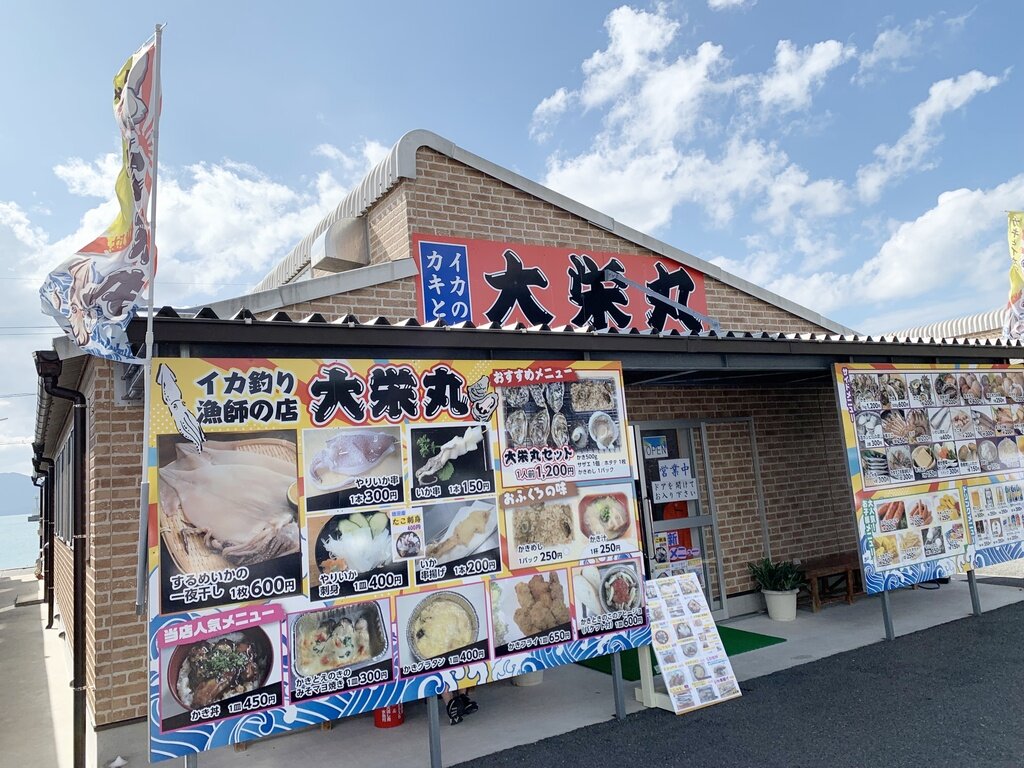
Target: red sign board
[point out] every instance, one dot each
(485, 281)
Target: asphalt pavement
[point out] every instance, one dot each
(950, 695)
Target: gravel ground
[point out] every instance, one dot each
(946, 696)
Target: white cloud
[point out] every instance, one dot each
(668, 102)
(547, 113)
(94, 179)
(957, 23)
(221, 226)
(15, 219)
(792, 190)
(723, 5)
(891, 48)
(797, 73)
(910, 152)
(954, 251)
(635, 40)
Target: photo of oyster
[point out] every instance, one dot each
(516, 397)
(537, 393)
(555, 393)
(515, 426)
(559, 430)
(892, 389)
(869, 425)
(865, 390)
(539, 427)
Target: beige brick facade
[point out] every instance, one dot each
(808, 503)
(805, 485)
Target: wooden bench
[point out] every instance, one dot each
(830, 577)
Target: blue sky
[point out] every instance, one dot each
(855, 157)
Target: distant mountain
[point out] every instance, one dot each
(17, 495)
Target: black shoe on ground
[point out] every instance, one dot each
(468, 705)
(455, 710)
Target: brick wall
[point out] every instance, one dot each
(808, 504)
(115, 638)
(449, 198)
(118, 652)
(395, 301)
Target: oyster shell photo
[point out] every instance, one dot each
(515, 426)
(555, 394)
(516, 397)
(537, 393)
(540, 425)
(559, 430)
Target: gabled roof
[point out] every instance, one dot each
(400, 163)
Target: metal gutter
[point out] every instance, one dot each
(348, 336)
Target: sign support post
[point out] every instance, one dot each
(972, 582)
(192, 760)
(618, 688)
(434, 728)
(890, 633)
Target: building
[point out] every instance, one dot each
(752, 405)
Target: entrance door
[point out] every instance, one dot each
(680, 525)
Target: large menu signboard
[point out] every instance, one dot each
(936, 461)
(328, 537)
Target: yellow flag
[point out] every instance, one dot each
(1014, 327)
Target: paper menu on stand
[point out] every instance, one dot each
(691, 656)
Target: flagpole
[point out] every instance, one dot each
(142, 569)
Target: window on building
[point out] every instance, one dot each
(64, 490)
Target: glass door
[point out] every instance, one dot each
(677, 505)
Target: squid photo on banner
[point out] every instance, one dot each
(327, 537)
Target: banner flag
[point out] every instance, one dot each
(1014, 326)
(94, 294)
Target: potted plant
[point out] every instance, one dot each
(779, 581)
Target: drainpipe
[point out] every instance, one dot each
(48, 367)
(44, 467)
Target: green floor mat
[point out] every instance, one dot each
(736, 641)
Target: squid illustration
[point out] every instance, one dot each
(186, 422)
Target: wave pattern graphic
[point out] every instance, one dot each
(244, 728)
